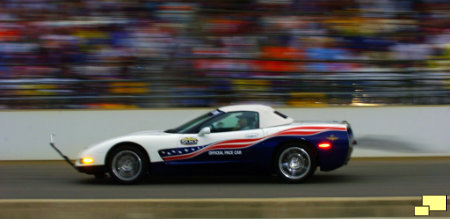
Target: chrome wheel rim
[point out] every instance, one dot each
(127, 165)
(294, 163)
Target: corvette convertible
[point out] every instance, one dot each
(238, 139)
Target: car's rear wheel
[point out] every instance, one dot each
(295, 162)
(127, 165)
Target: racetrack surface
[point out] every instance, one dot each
(361, 178)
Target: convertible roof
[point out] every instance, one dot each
(267, 115)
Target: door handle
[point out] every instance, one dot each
(252, 135)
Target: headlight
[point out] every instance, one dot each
(87, 160)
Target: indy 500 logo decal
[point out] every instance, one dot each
(188, 141)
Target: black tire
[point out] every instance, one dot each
(127, 164)
(295, 162)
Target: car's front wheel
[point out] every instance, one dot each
(295, 162)
(127, 165)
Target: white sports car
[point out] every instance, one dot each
(240, 139)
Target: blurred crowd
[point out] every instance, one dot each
(155, 53)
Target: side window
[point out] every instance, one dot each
(235, 121)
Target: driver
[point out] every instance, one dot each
(243, 123)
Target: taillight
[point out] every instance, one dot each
(325, 145)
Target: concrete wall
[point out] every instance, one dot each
(380, 131)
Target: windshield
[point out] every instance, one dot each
(186, 127)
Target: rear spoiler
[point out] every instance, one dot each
(351, 137)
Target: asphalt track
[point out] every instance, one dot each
(361, 178)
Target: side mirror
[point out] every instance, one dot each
(204, 131)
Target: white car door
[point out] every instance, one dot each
(229, 140)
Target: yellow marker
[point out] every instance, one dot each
(422, 211)
(87, 160)
(436, 202)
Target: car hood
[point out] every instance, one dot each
(129, 137)
(149, 132)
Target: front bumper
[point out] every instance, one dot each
(93, 170)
